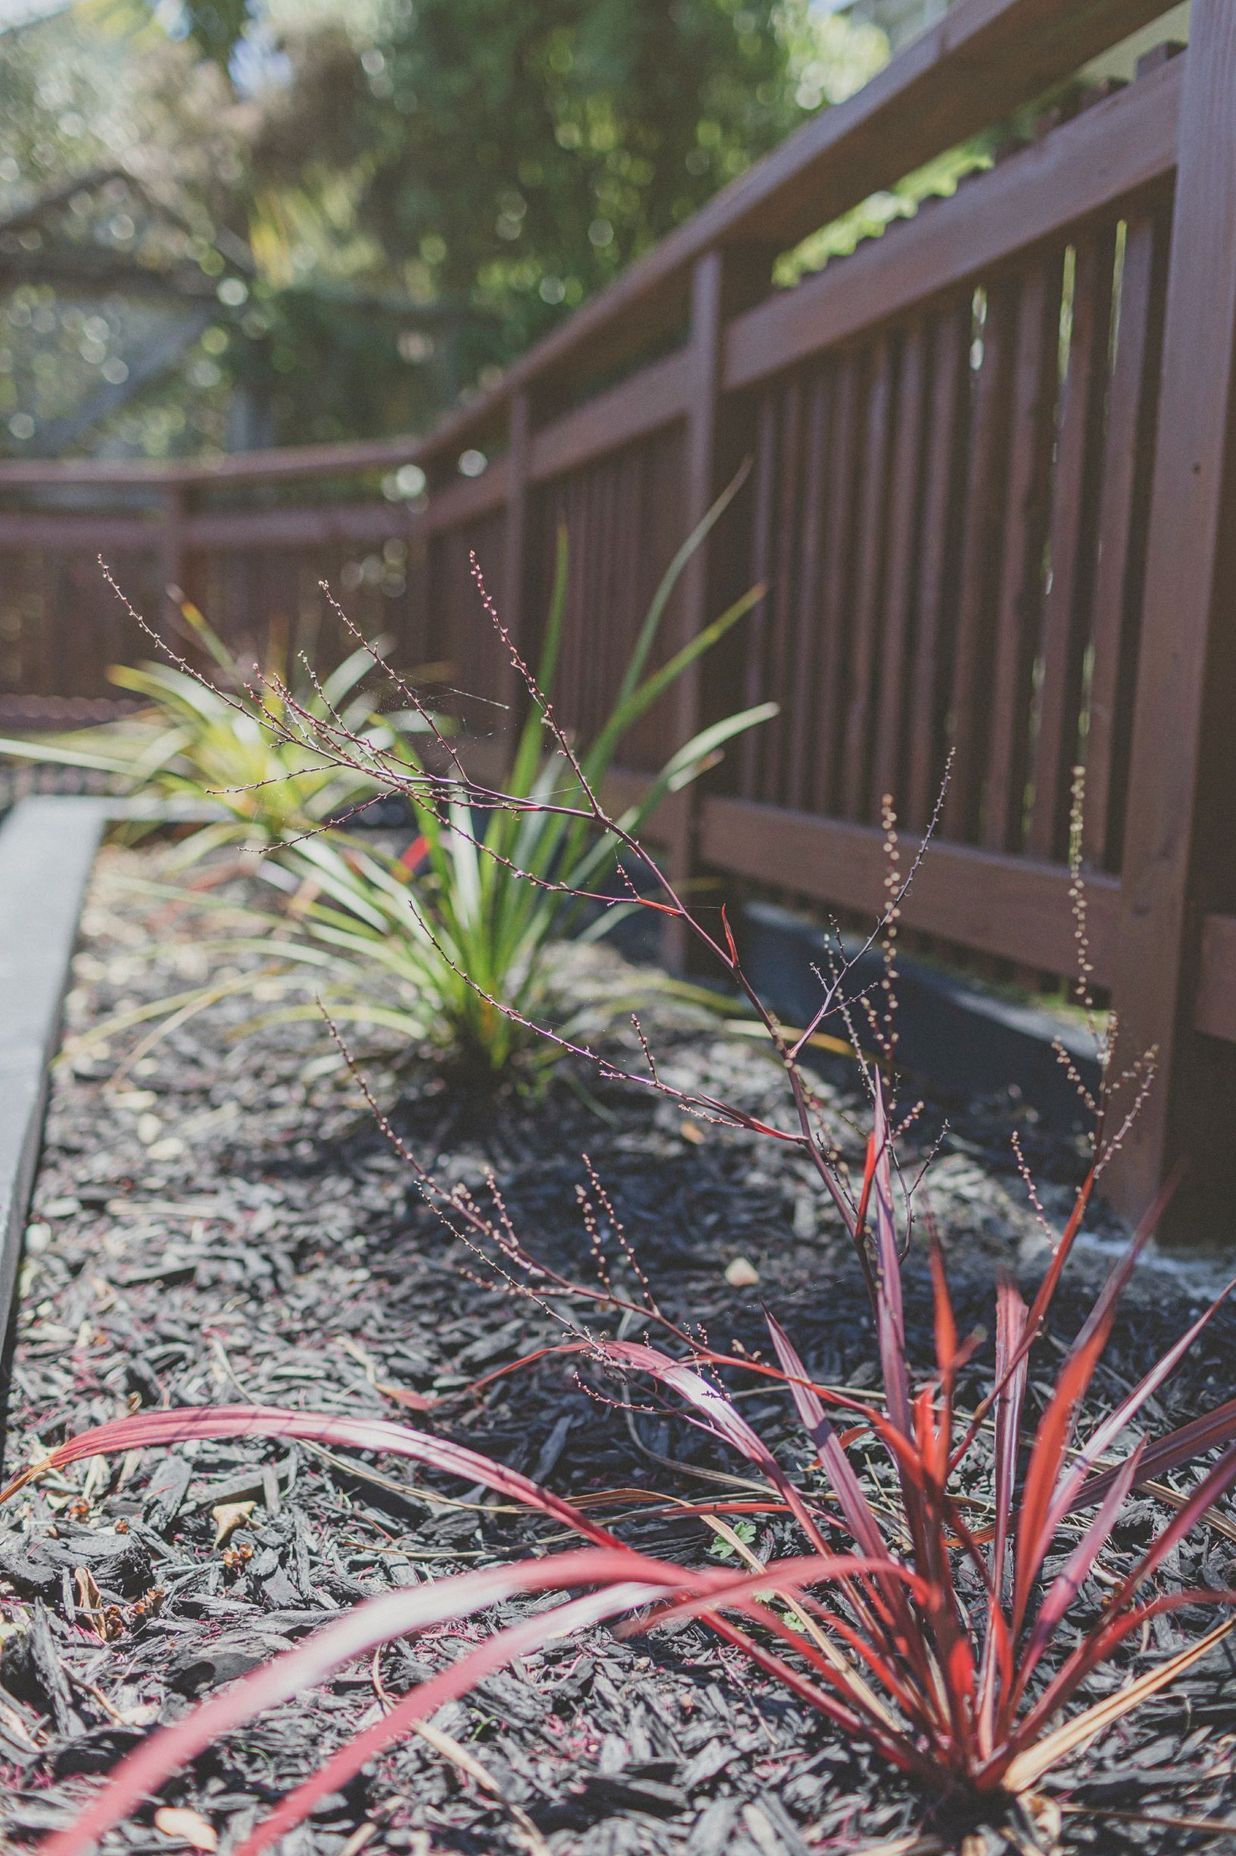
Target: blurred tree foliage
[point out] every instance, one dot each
(386, 199)
(520, 153)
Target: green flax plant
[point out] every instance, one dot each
(463, 922)
(196, 739)
(428, 945)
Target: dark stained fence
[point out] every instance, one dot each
(624, 515)
(455, 633)
(46, 657)
(990, 495)
(951, 515)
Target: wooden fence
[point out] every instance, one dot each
(991, 495)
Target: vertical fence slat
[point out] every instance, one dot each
(604, 614)
(799, 722)
(1074, 511)
(872, 518)
(841, 490)
(974, 639)
(515, 546)
(591, 611)
(1129, 457)
(173, 565)
(573, 669)
(944, 475)
(772, 741)
(1018, 608)
(755, 684)
(905, 490)
(50, 573)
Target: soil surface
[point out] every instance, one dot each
(217, 1219)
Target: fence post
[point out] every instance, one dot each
(1178, 857)
(724, 281)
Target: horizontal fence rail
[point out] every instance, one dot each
(989, 493)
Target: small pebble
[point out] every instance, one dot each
(187, 1827)
(62, 1208)
(169, 1149)
(741, 1273)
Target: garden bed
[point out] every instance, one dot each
(220, 1220)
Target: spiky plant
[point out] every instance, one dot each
(197, 738)
(421, 943)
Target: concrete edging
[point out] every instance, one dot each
(48, 846)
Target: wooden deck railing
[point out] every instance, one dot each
(992, 497)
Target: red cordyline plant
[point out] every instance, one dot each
(900, 1621)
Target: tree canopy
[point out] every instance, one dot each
(352, 208)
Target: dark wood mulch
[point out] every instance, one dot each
(218, 1220)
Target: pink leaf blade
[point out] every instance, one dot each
(1068, 1583)
(719, 1415)
(1012, 1371)
(1171, 1451)
(890, 1314)
(194, 1423)
(378, 1621)
(499, 1652)
(1088, 1656)
(858, 1514)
